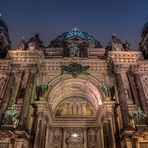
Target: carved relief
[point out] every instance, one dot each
(92, 138)
(57, 137)
(75, 107)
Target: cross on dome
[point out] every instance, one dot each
(75, 30)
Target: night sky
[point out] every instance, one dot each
(100, 18)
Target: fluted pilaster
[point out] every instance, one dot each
(121, 96)
(107, 131)
(27, 98)
(7, 94)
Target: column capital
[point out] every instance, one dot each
(134, 68)
(120, 68)
(16, 68)
(33, 68)
(43, 116)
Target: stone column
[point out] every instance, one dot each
(38, 132)
(141, 94)
(121, 96)
(140, 91)
(108, 140)
(112, 130)
(102, 136)
(26, 102)
(64, 138)
(99, 138)
(47, 137)
(7, 94)
(85, 138)
(133, 89)
(17, 84)
(43, 132)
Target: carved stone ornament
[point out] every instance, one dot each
(137, 117)
(11, 117)
(5, 134)
(41, 90)
(74, 69)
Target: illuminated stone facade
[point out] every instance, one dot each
(73, 94)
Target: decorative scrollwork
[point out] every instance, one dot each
(74, 69)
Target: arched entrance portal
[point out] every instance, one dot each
(75, 108)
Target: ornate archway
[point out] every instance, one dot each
(76, 108)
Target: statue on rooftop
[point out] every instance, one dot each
(75, 51)
(127, 46)
(35, 43)
(22, 44)
(108, 91)
(116, 44)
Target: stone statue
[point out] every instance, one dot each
(116, 44)
(127, 46)
(137, 117)
(35, 43)
(44, 89)
(75, 51)
(106, 90)
(11, 117)
(22, 44)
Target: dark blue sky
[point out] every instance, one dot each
(99, 18)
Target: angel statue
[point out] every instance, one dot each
(116, 44)
(108, 91)
(11, 117)
(137, 117)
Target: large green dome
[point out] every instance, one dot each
(75, 33)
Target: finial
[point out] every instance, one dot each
(23, 37)
(1, 14)
(75, 29)
(22, 44)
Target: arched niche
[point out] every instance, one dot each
(66, 87)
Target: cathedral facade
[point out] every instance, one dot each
(73, 93)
